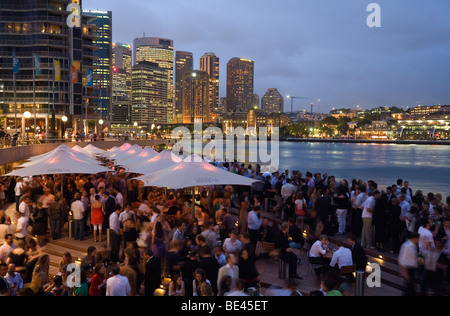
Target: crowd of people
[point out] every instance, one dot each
(208, 244)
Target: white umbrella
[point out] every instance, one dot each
(127, 154)
(161, 161)
(146, 154)
(193, 172)
(60, 162)
(116, 150)
(78, 148)
(92, 150)
(72, 153)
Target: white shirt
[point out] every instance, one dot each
(119, 199)
(368, 204)
(18, 188)
(114, 223)
(144, 208)
(118, 286)
(408, 255)
(5, 251)
(22, 224)
(235, 247)
(4, 230)
(426, 236)
(360, 199)
(124, 216)
(24, 209)
(317, 250)
(342, 257)
(288, 189)
(77, 209)
(253, 221)
(405, 206)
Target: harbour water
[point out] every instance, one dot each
(426, 167)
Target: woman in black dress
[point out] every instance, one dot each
(39, 222)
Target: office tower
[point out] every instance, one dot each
(121, 73)
(159, 51)
(209, 63)
(196, 103)
(39, 37)
(184, 63)
(102, 20)
(272, 101)
(149, 96)
(240, 82)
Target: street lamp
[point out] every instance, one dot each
(64, 119)
(26, 115)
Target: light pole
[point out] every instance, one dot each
(26, 115)
(64, 119)
(101, 122)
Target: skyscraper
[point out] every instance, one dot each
(272, 101)
(149, 85)
(102, 20)
(159, 51)
(42, 30)
(196, 92)
(184, 63)
(240, 83)
(122, 67)
(209, 63)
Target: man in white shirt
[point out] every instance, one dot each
(126, 215)
(254, 223)
(426, 241)
(408, 262)
(22, 225)
(231, 269)
(18, 192)
(145, 209)
(6, 248)
(77, 209)
(4, 230)
(117, 285)
(288, 189)
(24, 207)
(342, 257)
(367, 214)
(119, 197)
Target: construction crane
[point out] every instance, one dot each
(301, 98)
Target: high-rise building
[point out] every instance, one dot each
(149, 96)
(121, 73)
(102, 20)
(272, 101)
(196, 103)
(184, 63)
(240, 83)
(40, 38)
(159, 51)
(209, 63)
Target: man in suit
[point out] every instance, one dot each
(358, 254)
(286, 252)
(152, 280)
(230, 269)
(4, 287)
(110, 206)
(211, 267)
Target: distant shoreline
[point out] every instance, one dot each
(367, 141)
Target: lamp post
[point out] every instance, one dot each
(26, 115)
(64, 119)
(101, 122)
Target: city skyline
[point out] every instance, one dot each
(322, 51)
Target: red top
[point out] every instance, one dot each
(96, 281)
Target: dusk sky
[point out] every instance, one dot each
(322, 49)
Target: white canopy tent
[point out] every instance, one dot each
(71, 153)
(146, 154)
(159, 162)
(60, 162)
(193, 172)
(117, 150)
(127, 154)
(92, 150)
